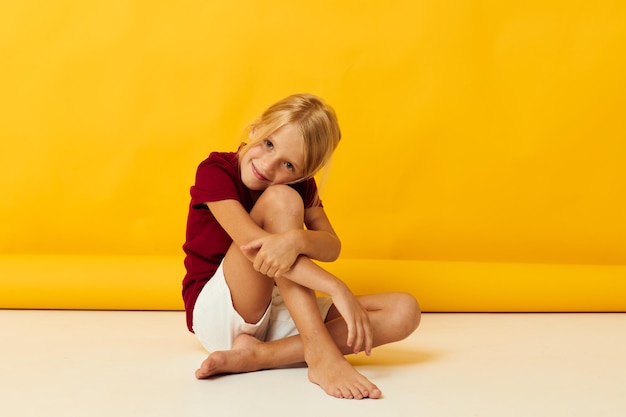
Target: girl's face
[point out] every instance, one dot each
(278, 159)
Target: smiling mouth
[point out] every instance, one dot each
(257, 173)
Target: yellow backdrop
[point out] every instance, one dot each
(474, 130)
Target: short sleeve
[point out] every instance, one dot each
(309, 193)
(215, 181)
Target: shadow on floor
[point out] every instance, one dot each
(393, 356)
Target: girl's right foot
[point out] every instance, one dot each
(241, 358)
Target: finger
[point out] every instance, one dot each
(281, 271)
(359, 337)
(250, 254)
(255, 244)
(271, 271)
(369, 338)
(351, 332)
(258, 263)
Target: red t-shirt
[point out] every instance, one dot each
(206, 242)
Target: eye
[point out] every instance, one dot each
(289, 166)
(268, 143)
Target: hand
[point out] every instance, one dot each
(272, 255)
(360, 336)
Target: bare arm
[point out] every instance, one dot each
(319, 241)
(236, 221)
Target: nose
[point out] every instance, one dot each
(268, 164)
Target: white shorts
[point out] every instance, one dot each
(216, 323)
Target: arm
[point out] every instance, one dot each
(236, 221)
(275, 253)
(319, 241)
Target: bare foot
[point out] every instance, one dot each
(327, 368)
(241, 358)
(338, 378)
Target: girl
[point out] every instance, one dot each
(250, 286)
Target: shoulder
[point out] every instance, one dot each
(219, 168)
(219, 163)
(218, 178)
(226, 159)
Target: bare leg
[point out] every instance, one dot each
(394, 316)
(321, 345)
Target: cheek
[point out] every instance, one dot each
(248, 157)
(249, 154)
(287, 178)
(244, 167)
(243, 158)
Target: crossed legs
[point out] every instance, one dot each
(321, 344)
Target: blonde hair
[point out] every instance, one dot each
(316, 121)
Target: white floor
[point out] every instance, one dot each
(94, 363)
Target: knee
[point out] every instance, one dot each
(281, 196)
(280, 192)
(281, 201)
(408, 314)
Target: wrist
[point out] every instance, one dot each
(297, 240)
(338, 288)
